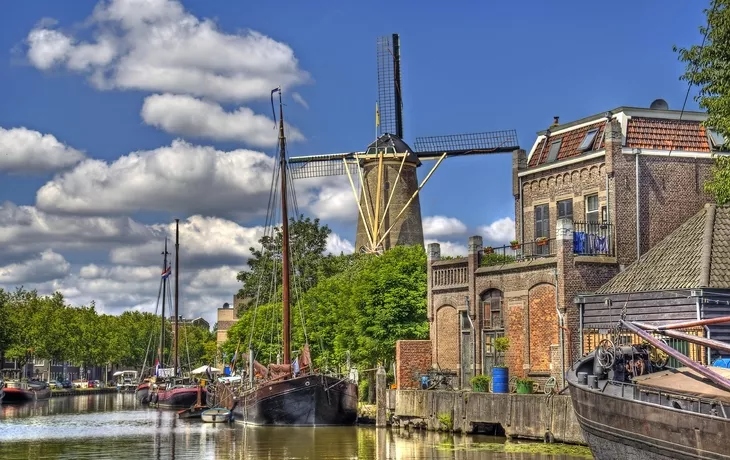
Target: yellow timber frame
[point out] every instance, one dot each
(374, 218)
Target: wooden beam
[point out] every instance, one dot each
(715, 344)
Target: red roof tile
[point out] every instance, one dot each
(662, 134)
(569, 147)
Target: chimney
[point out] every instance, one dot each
(556, 121)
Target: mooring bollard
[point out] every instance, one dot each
(381, 396)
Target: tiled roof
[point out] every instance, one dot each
(677, 261)
(663, 134)
(569, 146)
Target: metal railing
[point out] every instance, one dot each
(521, 252)
(593, 238)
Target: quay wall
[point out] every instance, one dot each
(531, 416)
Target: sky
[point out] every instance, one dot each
(118, 116)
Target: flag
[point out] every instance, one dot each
(167, 272)
(235, 355)
(157, 365)
(295, 366)
(377, 114)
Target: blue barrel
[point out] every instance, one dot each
(500, 380)
(722, 362)
(227, 370)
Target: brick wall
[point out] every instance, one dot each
(671, 190)
(543, 326)
(412, 358)
(446, 350)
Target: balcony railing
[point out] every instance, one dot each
(593, 238)
(518, 253)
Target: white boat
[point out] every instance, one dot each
(217, 414)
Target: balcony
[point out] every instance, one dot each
(518, 253)
(593, 239)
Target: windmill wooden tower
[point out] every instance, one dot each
(388, 203)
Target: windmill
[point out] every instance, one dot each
(388, 203)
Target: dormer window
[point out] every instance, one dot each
(716, 139)
(554, 149)
(587, 143)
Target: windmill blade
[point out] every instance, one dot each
(390, 99)
(332, 164)
(431, 148)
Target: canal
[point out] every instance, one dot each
(114, 426)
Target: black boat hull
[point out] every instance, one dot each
(312, 400)
(142, 393)
(617, 427)
(177, 398)
(20, 396)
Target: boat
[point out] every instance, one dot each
(292, 393)
(630, 404)
(126, 380)
(168, 389)
(19, 393)
(215, 415)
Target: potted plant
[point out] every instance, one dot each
(524, 386)
(489, 250)
(500, 372)
(480, 383)
(542, 241)
(514, 244)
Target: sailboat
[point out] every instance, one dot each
(293, 393)
(166, 388)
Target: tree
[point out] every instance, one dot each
(308, 240)
(708, 67)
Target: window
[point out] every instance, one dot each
(542, 221)
(592, 208)
(565, 209)
(716, 139)
(492, 309)
(587, 143)
(554, 149)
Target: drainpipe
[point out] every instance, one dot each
(562, 334)
(522, 216)
(638, 226)
(473, 338)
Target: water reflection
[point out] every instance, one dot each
(109, 426)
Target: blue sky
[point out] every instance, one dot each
(467, 67)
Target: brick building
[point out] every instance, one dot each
(576, 213)
(225, 319)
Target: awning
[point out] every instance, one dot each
(203, 369)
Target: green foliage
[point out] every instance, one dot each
(308, 242)
(501, 344)
(707, 68)
(46, 327)
(494, 258)
(446, 421)
(481, 382)
(364, 307)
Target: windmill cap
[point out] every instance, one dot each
(393, 144)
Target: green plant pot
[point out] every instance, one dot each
(524, 388)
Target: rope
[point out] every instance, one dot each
(152, 333)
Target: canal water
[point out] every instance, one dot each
(115, 426)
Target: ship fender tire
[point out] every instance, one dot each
(155, 397)
(145, 400)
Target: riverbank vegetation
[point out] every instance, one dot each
(345, 306)
(46, 327)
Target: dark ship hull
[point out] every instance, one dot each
(617, 423)
(311, 400)
(142, 393)
(177, 398)
(19, 396)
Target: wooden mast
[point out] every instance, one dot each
(286, 332)
(175, 360)
(164, 294)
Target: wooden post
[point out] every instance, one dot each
(381, 396)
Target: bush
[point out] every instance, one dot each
(481, 383)
(363, 390)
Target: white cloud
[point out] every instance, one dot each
(204, 242)
(449, 249)
(26, 151)
(155, 45)
(46, 266)
(191, 117)
(337, 245)
(182, 178)
(298, 98)
(25, 229)
(501, 231)
(436, 226)
(329, 198)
